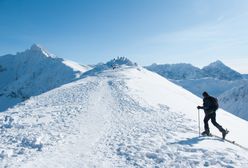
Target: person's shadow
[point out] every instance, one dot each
(195, 140)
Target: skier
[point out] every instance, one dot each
(210, 105)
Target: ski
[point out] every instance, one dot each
(231, 141)
(227, 140)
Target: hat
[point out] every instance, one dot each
(205, 94)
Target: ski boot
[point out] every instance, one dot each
(224, 132)
(206, 133)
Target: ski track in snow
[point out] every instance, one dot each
(96, 123)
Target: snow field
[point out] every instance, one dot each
(127, 117)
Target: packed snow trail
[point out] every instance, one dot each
(127, 117)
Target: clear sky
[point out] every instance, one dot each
(145, 31)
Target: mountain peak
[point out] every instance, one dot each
(217, 63)
(221, 71)
(35, 48)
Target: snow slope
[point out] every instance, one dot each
(235, 100)
(215, 87)
(33, 72)
(123, 117)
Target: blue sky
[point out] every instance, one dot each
(146, 31)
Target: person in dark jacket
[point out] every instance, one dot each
(210, 113)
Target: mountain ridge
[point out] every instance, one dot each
(215, 69)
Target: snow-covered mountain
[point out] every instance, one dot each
(177, 71)
(183, 71)
(221, 71)
(236, 101)
(33, 72)
(117, 117)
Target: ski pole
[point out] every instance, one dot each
(199, 125)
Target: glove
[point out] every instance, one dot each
(199, 107)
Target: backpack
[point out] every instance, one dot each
(214, 103)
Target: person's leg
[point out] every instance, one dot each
(213, 120)
(206, 127)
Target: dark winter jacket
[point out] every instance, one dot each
(208, 105)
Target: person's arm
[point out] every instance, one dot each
(206, 103)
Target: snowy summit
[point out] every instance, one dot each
(221, 71)
(36, 49)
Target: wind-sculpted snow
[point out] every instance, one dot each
(123, 117)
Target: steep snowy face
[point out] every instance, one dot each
(122, 117)
(236, 101)
(221, 71)
(177, 71)
(38, 50)
(32, 72)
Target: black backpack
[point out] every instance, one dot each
(214, 103)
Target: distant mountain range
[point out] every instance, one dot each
(182, 71)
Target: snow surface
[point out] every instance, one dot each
(122, 117)
(33, 72)
(215, 87)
